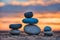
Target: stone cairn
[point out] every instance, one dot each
(48, 31)
(30, 28)
(15, 28)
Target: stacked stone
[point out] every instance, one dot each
(15, 28)
(48, 31)
(30, 28)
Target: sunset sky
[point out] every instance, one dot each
(46, 11)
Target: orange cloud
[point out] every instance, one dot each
(2, 4)
(47, 2)
(20, 3)
(30, 2)
(34, 2)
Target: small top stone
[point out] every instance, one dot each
(47, 28)
(28, 14)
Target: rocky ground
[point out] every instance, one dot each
(23, 36)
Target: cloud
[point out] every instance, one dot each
(30, 2)
(27, 3)
(22, 0)
(2, 4)
(37, 8)
(34, 2)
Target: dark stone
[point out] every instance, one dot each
(32, 29)
(49, 33)
(15, 32)
(47, 28)
(28, 14)
(15, 26)
(30, 21)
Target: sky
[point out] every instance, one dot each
(12, 11)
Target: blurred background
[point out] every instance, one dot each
(46, 11)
